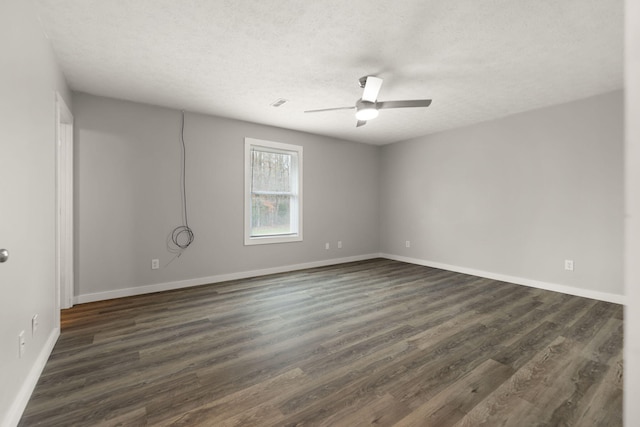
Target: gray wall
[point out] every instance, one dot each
(515, 196)
(29, 78)
(632, 213)
(128, 196)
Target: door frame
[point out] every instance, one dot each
(64, 206)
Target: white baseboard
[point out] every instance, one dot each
(12, 417)
(147, 289)
(602, 296)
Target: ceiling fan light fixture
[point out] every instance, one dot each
(367, 112)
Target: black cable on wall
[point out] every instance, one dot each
(182, 236)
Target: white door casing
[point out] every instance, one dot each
(64, 205)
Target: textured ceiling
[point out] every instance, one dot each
(477, 60)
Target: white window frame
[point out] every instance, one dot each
(296, 204)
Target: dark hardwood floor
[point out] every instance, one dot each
(376, 342)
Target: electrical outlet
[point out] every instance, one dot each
(34, 324)
(155, 264)
(407, 243)
(568, 264)
(339, 244)
(327, 246)
(21, 344)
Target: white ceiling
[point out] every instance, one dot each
(477, 60)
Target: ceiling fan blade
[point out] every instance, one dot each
(330, 109)
(371, 88)
(404, 104)
(361, 123)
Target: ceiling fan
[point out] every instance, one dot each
(367, 107)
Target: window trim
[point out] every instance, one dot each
(273, 147)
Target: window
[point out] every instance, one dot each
(273, 192)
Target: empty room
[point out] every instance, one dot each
(287, 213)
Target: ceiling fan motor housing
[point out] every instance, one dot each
(364, 105)
(366, 110)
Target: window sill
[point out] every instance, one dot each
(266, 240)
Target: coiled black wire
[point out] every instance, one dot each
(182, 236)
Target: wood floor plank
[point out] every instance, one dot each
(521, 351)
(380, 411)
(137, 417)
(603, 404)
(225, 409)
(515, 400)
(375, 342)
(452, 403)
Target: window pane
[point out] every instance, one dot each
(271, 171)
(270, 215)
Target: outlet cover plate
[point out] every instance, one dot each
(568, 264)
(21, 344)
(34, 324)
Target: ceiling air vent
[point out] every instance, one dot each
(278, 102)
